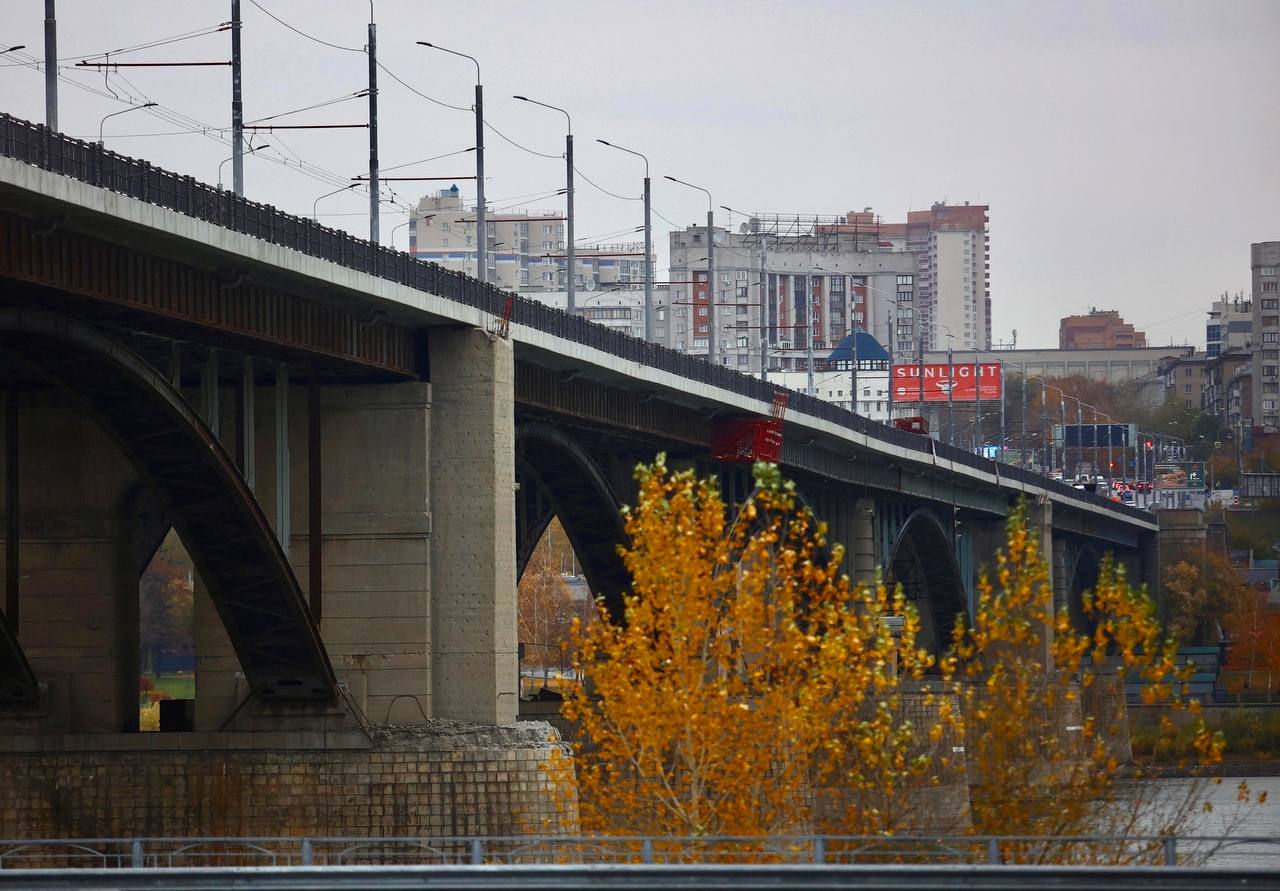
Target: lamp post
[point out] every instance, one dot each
(711, 271)
(951, 385)
(482, 228)
(648, 242)
(113, 114)
(572, 277)
(256, 148)
(315, 205)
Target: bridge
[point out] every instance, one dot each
(360, 457)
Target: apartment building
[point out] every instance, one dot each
(526, 248)
(1182, 378)
(952, 250)
(776, 279)
(1230, 325)
(1224, 382)
(1101, 329)
(1264, 402)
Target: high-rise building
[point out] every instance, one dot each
(952, 249)
(1230, 325)
(1101, 329)
(526, 249)
(1265, 397)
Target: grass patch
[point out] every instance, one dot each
(177, 686)
(1253, 733)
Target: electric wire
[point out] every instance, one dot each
(606, 191)
(357, 95)
(300, 32)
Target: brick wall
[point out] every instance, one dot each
(408, 782)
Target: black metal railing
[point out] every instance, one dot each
(90, 163)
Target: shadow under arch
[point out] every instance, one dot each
(559, 478)
(1084, 577)
(924, 562)
(218, 518)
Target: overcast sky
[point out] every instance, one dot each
(1130, 151)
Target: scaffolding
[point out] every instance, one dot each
(815, 233)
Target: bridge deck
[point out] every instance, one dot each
(40, 168)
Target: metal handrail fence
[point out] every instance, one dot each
(284, 851)
(95, 165)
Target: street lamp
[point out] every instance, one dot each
(315, 205)
(122, 111)
(13, 49)
(711, 272)
(482, 229)
(256, 148)
(648, 241)
(572, 261)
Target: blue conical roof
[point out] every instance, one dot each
(869, 349)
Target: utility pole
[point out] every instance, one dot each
(572, 255)
(237, 104)
(648, 262)
(1000, 454)
(711, 286)
(482, 227)
(951, 386)
(889, 341)
(51, 65)
(977, 396)
(808, 339)
(764, 308)
(375, 184)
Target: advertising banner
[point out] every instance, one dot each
(1189, 475)
(961, 382)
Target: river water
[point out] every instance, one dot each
(1238, 821)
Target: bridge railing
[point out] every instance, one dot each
(90, 163)
(284, 851)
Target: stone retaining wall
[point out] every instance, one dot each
(445, 779)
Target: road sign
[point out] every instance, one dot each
(1089, 436)
(937, 382)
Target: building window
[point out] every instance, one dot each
(1267, 270)
(662, 313)
(702, 310)
(1270, 287)
(905, 280)
(1271, 303)
(1271, 336)
(699, 343)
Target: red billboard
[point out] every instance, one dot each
(938, 383)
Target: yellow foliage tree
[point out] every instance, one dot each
(749, 689)
(1046, 726)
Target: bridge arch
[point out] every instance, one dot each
(230, 541)
(559, 478)
(923, 561)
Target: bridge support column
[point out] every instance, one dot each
(862, 552)
(375, 545)
(473, 557)
(78, 569)
(1053, 552)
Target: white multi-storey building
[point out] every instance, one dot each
(526, 249)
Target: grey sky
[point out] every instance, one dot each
(1130, 151)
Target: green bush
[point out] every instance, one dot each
(1252, 733)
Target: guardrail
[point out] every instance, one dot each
(1005, 850)
(652, 878)
(90, 163)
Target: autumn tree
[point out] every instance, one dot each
(166, 604)
(1202, 590)
(1254, 651)
(1043, 701)
(544, 609)
(749, 688)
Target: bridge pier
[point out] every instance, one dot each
(473, 549)
(78, 570)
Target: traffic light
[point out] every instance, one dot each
(1150, 445)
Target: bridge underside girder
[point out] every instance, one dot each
(230, 541)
